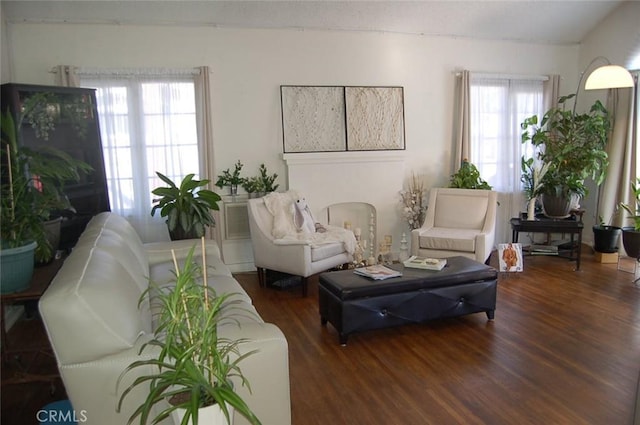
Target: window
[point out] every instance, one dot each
(498, 106)
(147, 124)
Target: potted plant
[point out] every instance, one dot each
(532, 175)
(261, 184)
(574, 147)
(231, 178)
(468, 177)
(187, 207)
(631, 234)
(193, 366)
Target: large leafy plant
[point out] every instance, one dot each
(468, 177)
(572, 144)
(194, 365)
(187, 207)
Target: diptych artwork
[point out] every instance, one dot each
(340, 118)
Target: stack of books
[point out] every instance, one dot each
(425, 263)
(377, 272)
(543, 250)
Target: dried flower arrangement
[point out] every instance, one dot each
(413, 209)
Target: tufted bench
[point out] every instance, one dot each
(353, 303)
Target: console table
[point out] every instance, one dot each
(570, 225)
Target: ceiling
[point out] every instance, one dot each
(552, 22)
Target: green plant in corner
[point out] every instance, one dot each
(194, 365)
(468, 177)
(187, 207)
(262, 183)
(634, 211)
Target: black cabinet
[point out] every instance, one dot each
(66, 119)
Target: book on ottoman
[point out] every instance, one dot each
(425, 263)
(377, 272)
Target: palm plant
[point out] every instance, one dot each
(194, 365)
(187, 207)
(634, 211)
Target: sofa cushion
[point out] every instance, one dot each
(449, 239)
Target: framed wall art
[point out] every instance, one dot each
(342, 118)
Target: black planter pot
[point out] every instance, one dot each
(631, 241)
(555, 206)
(605, 238)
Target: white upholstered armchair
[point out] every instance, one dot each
(458, 222)
(299, 254)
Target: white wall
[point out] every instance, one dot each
(249, 66)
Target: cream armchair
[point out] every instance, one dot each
(299, 256)
(458, 222)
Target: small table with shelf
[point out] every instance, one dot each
(42, 277)
(572, 225)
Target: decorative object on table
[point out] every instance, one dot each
(532, 174)
(231, 178)
(510, 257)
(631, 234)
(468, 177)
(377, 272)
(404, 248)
(194, 364)
(425, 263)
(413, 208)
(573, 146)
(187, 207)
(261, 184)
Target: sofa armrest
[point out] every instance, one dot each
(267, 372)
(160, 252)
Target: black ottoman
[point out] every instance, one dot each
(353, 303)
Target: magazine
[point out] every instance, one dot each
(377, 272)
(425, 263)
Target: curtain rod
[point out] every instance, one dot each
(505, 76)
(124, 72)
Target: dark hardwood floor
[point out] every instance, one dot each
(564, 349)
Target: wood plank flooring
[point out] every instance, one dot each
(564, 349)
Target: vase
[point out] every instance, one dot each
(17, 267)
(531, 209)
(233, 189)
(210, 415)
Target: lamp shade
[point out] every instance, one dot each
(609, 77)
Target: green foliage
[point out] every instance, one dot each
(572, 144)
(634, 211)
(468, 177)
(33, 180)
(194, 365)
(187, 207)
(231, 178)
(263, 183)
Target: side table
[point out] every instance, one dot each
(42, 277)
(569, 225)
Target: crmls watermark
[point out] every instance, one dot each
(61, 416)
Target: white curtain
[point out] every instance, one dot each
(148, 123)
(624, 156)
(498, 104)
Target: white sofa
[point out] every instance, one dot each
(96, 326)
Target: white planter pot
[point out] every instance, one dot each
(210, 415)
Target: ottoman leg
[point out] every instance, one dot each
(343, 339)
(491, 314)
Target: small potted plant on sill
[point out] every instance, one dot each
(187, 207)
(468, 177)
(194, 365)
(262, 184)
(631, 234)
(231, 178)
